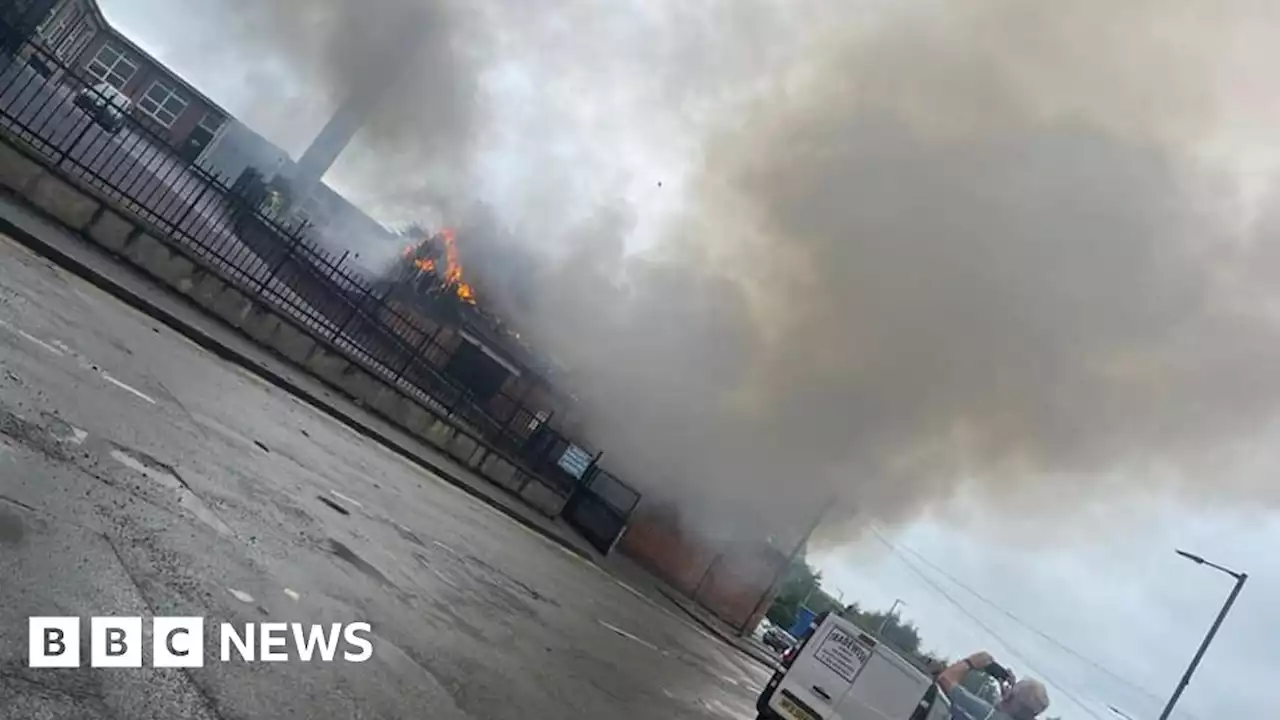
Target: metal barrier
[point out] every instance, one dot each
(600, 507)
(82, 133)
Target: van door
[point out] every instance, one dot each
(823, 673)
(887, 688)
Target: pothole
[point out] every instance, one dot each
(34, 435)
(166, 477)
(473, 576)
(359, 563)
(335, 506)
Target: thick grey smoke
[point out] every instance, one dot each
(979, 247)
(994, 244)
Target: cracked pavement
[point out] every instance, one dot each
(141, 475)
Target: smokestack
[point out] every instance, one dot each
(303, 177)
(369, 84)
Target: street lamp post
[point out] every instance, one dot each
(1208, 638)
(888, 615)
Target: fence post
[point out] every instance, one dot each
(417, 351)
(591, 471)
(355, 310)
(83, 131)
(294, 239)
(177, 226)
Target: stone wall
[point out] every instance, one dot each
(116, 230)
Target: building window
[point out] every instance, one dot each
(163, 103)
(51, 29)
(69, 41)
(211, 123)
(112, 66)
(85, 32)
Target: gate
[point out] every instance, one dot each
(599, 509)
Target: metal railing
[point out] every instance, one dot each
(104, 142)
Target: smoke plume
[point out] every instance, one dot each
(997, 247)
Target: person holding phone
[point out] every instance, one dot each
(1019, 699)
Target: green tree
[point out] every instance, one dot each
(799, 584)
(903, 636)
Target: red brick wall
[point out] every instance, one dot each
(138, 85)
(735, 582)
(739, 586)
(89, 51)
(653, 539)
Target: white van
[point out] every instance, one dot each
(843, 673)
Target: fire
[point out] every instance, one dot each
(452, 275)
(453, 268)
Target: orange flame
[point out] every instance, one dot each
(453, 268)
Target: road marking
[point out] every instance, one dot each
(683, 621)
(629, 636)
(345, 499)
(60, 349)
(638, 594)
(32, 338)
(123, 386)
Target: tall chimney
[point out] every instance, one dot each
(374, 76)
(306, 174)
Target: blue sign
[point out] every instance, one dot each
(575, 461)
(804, 618)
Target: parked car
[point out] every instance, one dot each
(778, 639)
(106, 105)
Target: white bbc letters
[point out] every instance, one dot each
(115, 642)
(53, 642)
(177, 642)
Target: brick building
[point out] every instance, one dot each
(735, 580)
(77, 34)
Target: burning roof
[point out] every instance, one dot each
(425, 256)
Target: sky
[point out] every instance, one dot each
(765, 176)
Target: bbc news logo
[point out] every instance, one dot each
(178, 642)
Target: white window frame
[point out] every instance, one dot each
(110, 70)
(159, 110)
(212, 129)
(70, 40)
(53, 25)
(86, 32)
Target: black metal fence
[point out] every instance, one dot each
(600, 507)
(53, 111)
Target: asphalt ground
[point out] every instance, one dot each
(141, 475)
